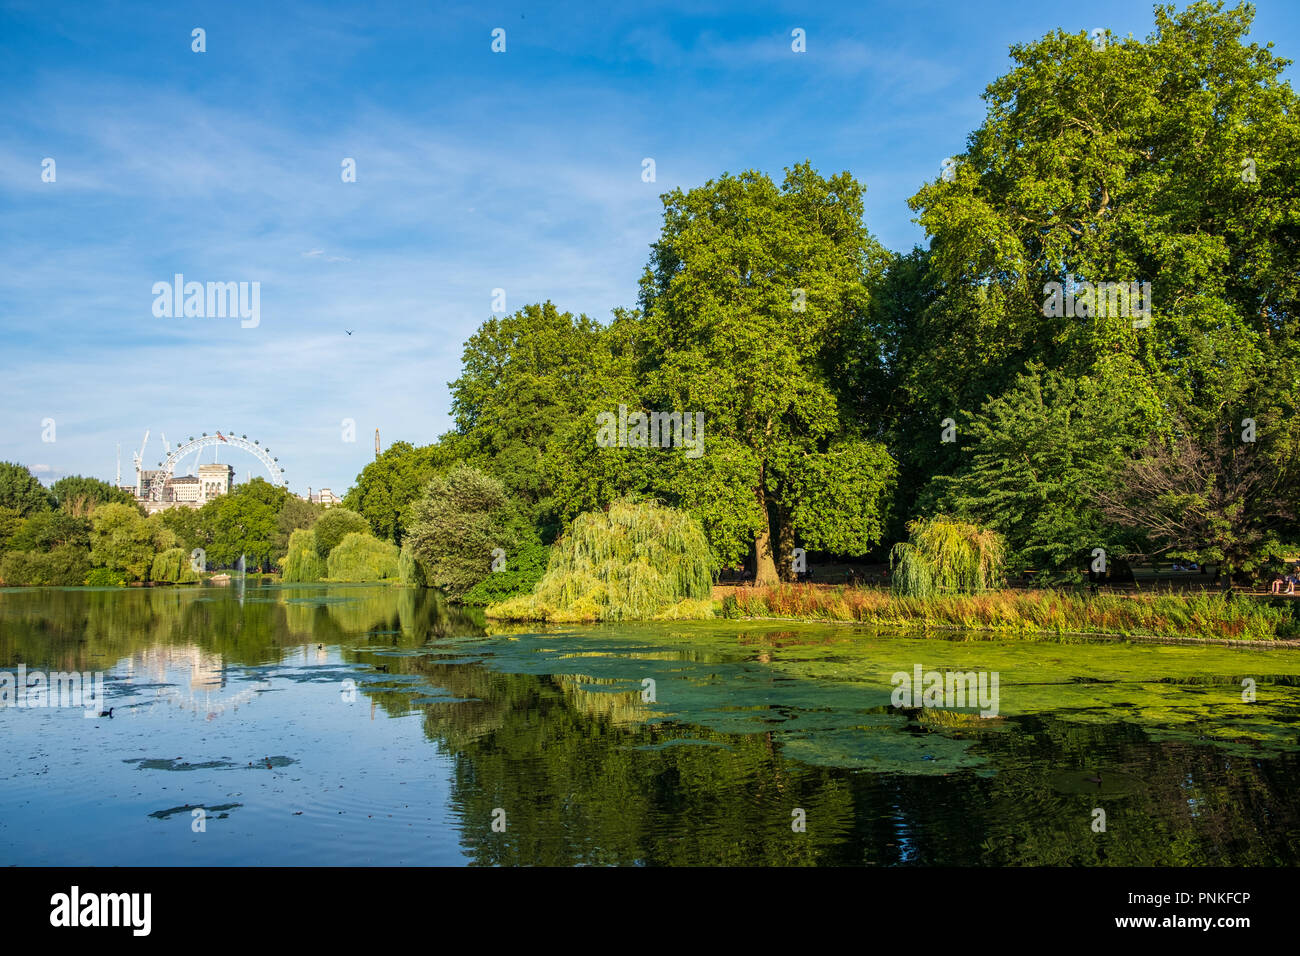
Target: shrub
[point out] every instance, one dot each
(106, 578)
(520, 575)
(637, 561)
(63, 566)
(303, 564)
(455, 526)
(363, 557)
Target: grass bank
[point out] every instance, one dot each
(1203, 615)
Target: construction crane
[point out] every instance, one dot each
(167, 448)
(139, 456)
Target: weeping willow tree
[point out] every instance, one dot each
(636, 561)
(945, 556)
(302, 563)
(363, 557)
(173, 566)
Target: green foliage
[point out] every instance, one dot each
(947, 557)
(750, 291)
(522, 570)
(10, 522)
(173, 567)
(360, 556)
(839, 499)
(259, 489)
(21, 491)
(187, 525)
(105, 578)
(331, 527)
(62, 566)
(79, 495)
(1038, 456)
(46, 530)
(1115, 165)
(524, 378)
(236, 524)
(455, 527)
(387, 487)
(634, 562)
(410, 569)
(294, 514)
(121, 539)
(302, 564)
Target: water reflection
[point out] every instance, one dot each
(242, 710)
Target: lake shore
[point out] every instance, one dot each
(1202, 617)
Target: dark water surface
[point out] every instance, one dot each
(350, 725)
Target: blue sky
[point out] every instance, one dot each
(475, 171)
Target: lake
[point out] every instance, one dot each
(358, 725)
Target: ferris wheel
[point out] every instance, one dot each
(167, 467)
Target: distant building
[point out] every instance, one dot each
(215, 481)
(323, 497)
(184, 490)
(187, 491)
(143, 481)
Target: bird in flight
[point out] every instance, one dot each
(348, 331)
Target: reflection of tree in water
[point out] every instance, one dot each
(576, 790)
(565, 765)
(583, 777)
(93, 630)
(1184, 803)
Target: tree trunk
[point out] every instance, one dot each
(784, 547)
(764, 562)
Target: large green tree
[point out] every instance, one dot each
(457, 526)
(525, 377)
(234, 525)
(122, 539)
(21, 491)
(387, 486)
(750, 293)
(1170, 160)
(80, 495)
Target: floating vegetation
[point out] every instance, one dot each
(932, 717)
(218, 809)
